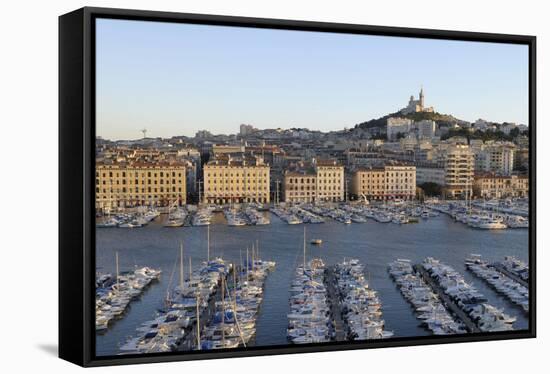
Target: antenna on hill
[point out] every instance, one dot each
(144, 131)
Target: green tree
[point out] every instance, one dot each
(514, 132)
(430, 189)
(400, 135)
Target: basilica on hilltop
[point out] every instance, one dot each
(416, 106)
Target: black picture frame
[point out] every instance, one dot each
(76, 182)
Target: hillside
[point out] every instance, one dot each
(439, 118)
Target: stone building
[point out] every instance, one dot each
(320, 181)
(131, 184)
(385, 183)
(415, 106)
(493, 186)
(241, 180)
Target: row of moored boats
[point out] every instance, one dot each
(487, 317)
(427, 305)
(309, 320)
(477, 216)
(114, 293)
(245, 217)
(234, 322)
(129, 220)
(514, 291)
(359, 304)
(178, 323)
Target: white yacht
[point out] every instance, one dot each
(487, 223)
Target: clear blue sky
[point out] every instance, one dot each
(175, 79)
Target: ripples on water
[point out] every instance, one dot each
(374, 244)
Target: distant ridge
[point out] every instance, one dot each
(440, 119)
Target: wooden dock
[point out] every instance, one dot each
(449, 304)
(335, 307)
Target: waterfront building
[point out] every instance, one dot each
(300, 186)
(459, 171)
(385, 183)
(397, 125)
(236, 180)
(318, 181)
(369, 183)
(493, 186)
(330, 180)
(139, 183)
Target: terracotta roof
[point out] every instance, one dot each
(300, 173)
(142, 164)
(327, 163)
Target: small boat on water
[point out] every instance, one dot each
(316, 241)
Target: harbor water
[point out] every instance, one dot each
(374, 244)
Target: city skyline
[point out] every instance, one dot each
(176, 79)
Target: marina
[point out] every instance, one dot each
(158, 247)
(259, 199)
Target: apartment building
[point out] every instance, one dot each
(236, 180)
(300, 186)
(386, 183)
(330, 180)
(490, 185)
(459, 171)
(130, 184)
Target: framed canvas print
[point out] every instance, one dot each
(236, 186)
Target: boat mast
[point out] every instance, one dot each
(304, 248)
(198, 321)
(257, 249)
(181, 268)
(117, 275)
(241, 260)
(247, 263)
(223, 310)
(234, 293)
(234, 302)
(208, 244)
(253, 262)
(241, 264)
(190, 271)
